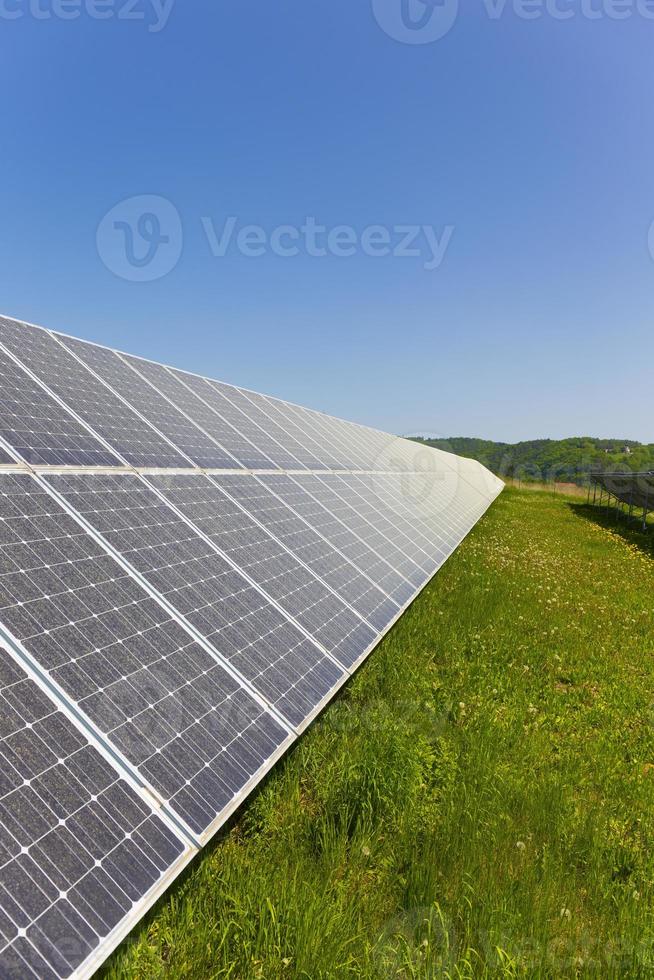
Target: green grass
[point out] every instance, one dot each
(479, 802)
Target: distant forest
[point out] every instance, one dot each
(548, 460)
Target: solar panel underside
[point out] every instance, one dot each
(189, 571)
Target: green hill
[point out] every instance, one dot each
(546, 460)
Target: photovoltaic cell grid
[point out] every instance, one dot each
(198, 447)
(283, 447)
(268, 454)
(172, 619)
(179, 389)
(282, 665)
(315, 552)
(79, 848)
(162, 701)
(129, 436)
(313, 450)
(300, 500)
(283, 578)
(344, 506)
(38, 428)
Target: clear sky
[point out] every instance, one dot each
(524, 145)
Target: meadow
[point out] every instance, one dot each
(478, 802)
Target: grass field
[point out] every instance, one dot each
(479, 802)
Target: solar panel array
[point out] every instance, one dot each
(189, 571)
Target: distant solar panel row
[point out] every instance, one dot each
(188, 573)
(632, 489)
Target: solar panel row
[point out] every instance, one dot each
(126, 409)
(171, 619)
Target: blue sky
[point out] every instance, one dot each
(527, 143)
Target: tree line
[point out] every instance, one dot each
(549, 460)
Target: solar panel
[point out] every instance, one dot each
(634, 489)
(407, 499)
(189, 571)
(232, 615)
(214, 397)
(278, 573)
(277, 438)
(180, 388)
(438, 511)
(79, 846)
(195, 444)
(175, 714)
(392, 519)
(335, 449)
(405, 535)
(326, 456)
(342, 537)
(314, 551)
(127, 434)
(38, 428)
(343, 504)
